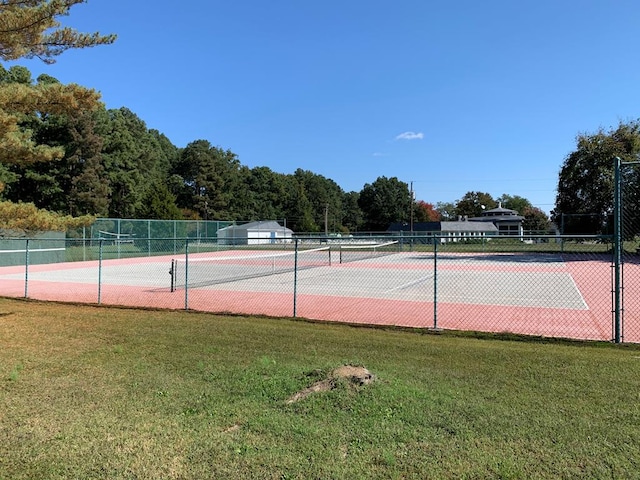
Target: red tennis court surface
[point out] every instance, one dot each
(548, 295)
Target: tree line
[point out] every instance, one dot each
(66, 154)
(112, 165)
(108, 163)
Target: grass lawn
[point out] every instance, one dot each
(88, 392)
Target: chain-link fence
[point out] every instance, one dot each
(131, 229)
(626, 235)
(552, 286)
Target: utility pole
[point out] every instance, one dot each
(326, 220)
(411, 209)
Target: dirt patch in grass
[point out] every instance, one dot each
(357, 376)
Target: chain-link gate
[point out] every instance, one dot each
(626, 236)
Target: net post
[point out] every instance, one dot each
(172, 273)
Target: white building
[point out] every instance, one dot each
(508, 221)
(254, 233)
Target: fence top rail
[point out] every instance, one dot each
(324, 238)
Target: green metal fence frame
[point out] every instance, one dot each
(618, 238)
(433, 242)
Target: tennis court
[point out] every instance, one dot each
(538, 294)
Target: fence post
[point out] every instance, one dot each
(617, 250)
(26, 269)
(618, 246)
(435, 282)
(118, 238)
(175, 237)
(101, 241)
(295, 280)
(186, 273)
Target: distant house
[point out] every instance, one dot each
(497, 221)
(254, 233)
(449, 231)
(507, 221)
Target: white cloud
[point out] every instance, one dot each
(379, 154)
(410, 136)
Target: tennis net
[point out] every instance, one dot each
(200, 272)
(354, 253)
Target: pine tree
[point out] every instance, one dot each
(30, 29)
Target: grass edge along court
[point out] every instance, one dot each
(97, 392)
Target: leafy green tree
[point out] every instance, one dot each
(266, 194)
(535, 220)
(133, 159)
(472, 203)
(21, 75)
(38, 182)
(111, 164)
(584, 202)
(90, 191)
(7, 177)
(514, 202)
(60, 184)
(159, 203)
(299, 211)
(446, 210)
(210, 177)
(352, 215)
(74, 184)
(87, 187)
(383, 202)
(325, 197)
(23, 104)
(167, 154)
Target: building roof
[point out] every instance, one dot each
(260, 225)
(499, 210)
(497, 218)
(468, 226)
(499, 214)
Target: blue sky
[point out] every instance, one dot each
(454, 96)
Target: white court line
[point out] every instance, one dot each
(31, 250)
(410, 284)
(586, 306)
(575, 285)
